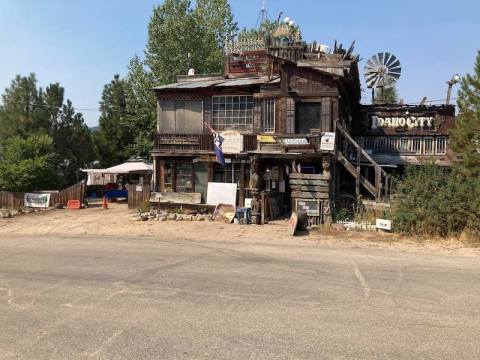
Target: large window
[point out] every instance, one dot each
(233, 112)
(268, 115)
(177, 117)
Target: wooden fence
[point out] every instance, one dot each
(138, 194)
(10, 200)
(74, 192)
(15, 201)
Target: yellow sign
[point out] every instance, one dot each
(266, 139)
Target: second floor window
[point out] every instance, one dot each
(233, 112)
(268, 115)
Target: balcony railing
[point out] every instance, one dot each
(185, 143)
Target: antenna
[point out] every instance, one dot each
(381, 70)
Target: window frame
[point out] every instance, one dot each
(248, 105)
(264, 110)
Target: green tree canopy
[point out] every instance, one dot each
(28, 164)
(465, 137)
(112, 138)
(176, 30)
(28, 110)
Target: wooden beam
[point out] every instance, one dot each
(309, 188)
(308, 182)
(241, 199)
(309, 195)
(161, 176)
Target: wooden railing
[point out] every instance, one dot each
(180, 143)
(353, 156)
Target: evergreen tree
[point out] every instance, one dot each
(386, 95)
(112, 138)
(29, 110)
(22, 111)
(465, 137)
(73, 144)
(141, 109)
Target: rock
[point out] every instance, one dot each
(144, 216)
(5, 214)
(172, 216)
(338, 227)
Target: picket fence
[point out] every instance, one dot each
(15, 200)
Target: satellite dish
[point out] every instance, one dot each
(382, 69)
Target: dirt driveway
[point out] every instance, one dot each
(115, 222)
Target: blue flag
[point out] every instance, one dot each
(217, 141)
(217, 145)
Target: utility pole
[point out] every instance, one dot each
(454, 80)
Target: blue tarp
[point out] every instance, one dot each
(109, 194)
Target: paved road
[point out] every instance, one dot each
(140, 298)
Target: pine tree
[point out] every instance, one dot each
(465, 137)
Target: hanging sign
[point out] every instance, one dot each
(36, 200)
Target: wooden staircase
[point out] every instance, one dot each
(352, 156)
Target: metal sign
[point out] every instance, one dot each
(311, 207)
(327, 141)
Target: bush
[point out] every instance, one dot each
(434, 201)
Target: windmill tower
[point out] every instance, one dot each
(381, 70)
(262, 15)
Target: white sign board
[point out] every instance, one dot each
(232, 142)
(384, 224)
(327, 142)
(221, 193)
(36, 200)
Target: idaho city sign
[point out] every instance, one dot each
(411, 122)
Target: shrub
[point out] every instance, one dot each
(434, 201)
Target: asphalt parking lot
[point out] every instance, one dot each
(112, 297)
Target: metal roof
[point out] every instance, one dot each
(217, 83)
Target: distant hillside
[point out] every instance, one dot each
(94, 128)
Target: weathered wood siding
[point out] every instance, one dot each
(136, 198)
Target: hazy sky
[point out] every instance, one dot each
(83, 43)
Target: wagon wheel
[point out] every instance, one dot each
(346, 201)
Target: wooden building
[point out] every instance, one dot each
(294, 132)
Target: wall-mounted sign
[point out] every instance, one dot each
(294, 141)
(411, 122)
(232, 142)
(190, 140)
(327, 141)
(266, 139)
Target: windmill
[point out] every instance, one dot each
(381, 70)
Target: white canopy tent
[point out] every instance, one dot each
(109, 175)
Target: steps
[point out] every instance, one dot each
(351, 155)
